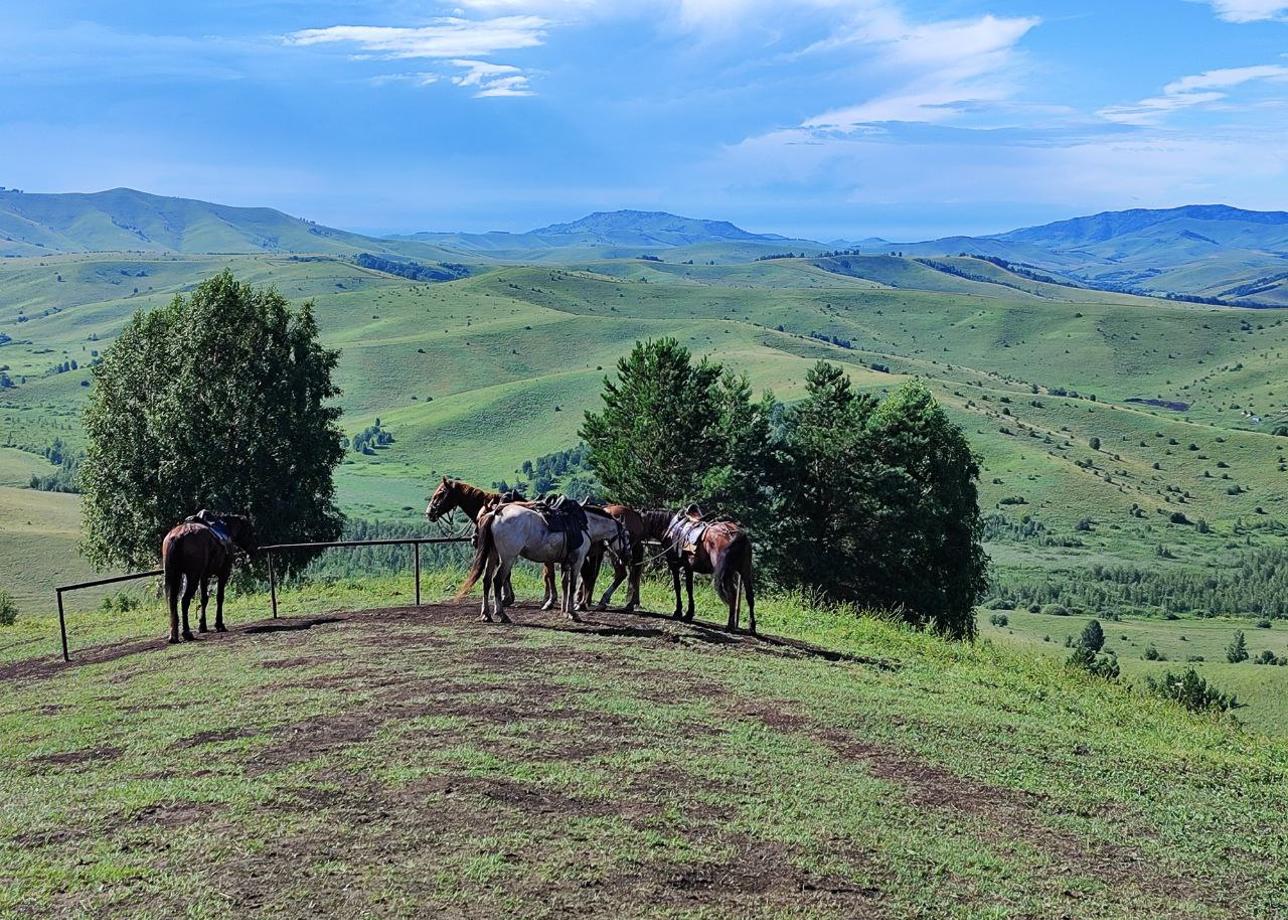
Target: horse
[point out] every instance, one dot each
(516, 529)
(633, 523)
(455, 493)
(720, 549)
(191, 553)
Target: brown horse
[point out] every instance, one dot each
(191, 553)
(633, 522)
(474, 502)
(721, 549)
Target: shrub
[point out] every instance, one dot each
(1266, 657)
(1263, 623)
(999, 619)
(8, 609)
(1237, 650)
(1191, 691)
(1056, 610)
(1152, 653)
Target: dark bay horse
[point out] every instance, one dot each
(633, 522)
(191, 553)
(721, 549)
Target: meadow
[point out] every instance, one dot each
(1114, 430)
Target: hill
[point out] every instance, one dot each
(1200, 250)
(619, 234)
(410, 761)
(125, 220)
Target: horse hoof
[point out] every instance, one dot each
(173, 640)
(547, 606)
(220, 627)
(202, 629)
(189, 636)
(678, 615)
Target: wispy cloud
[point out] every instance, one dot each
(492, 79)
(943, 68)
(459, 42)
(1189, 92)
(445, 38)
(1249, 10)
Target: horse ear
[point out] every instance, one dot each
(444, 480)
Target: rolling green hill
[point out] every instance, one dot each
(125, 220)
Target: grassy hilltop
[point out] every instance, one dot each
(391, 762)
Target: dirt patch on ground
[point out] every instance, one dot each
(74, 758)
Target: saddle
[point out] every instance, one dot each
(565, 516)
(686, 532)
(216, 526)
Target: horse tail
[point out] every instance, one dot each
(171, 566)
(730, 566)
(486, 544)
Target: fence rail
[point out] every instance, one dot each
(269, 551)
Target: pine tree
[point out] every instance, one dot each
(1237, 650)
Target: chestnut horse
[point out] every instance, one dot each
(722, 549)
(191, 553)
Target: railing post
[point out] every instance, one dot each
(62, 625)
(272, 583)
(416, 556)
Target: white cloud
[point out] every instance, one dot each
(947, 67)
(458, 41)
(492, 79)
(1188, 92)
(1249, 10)
(445, 38)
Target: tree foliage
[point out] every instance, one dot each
(674, 431)
(864, 502)
(218, 400)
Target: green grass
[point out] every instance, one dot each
(1262, 690)
(400, 763)
(475, 376)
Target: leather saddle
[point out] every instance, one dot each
(565, 516)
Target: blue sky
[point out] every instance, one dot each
(824, 118)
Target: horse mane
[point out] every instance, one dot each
(657, 521)
(474, 491)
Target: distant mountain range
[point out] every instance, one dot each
(1210, 251)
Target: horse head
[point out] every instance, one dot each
(242, 532)
(443, 501)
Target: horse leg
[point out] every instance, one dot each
(205, 600)
(551, 597)
(189, 589)
(507, 592)
(636, 575)
(174, 584)
(619, 575)
(501, 578)
(219, 602)
(675, 578)
(570, 595)
(745, 578)
(688, 584)
(489, 573)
